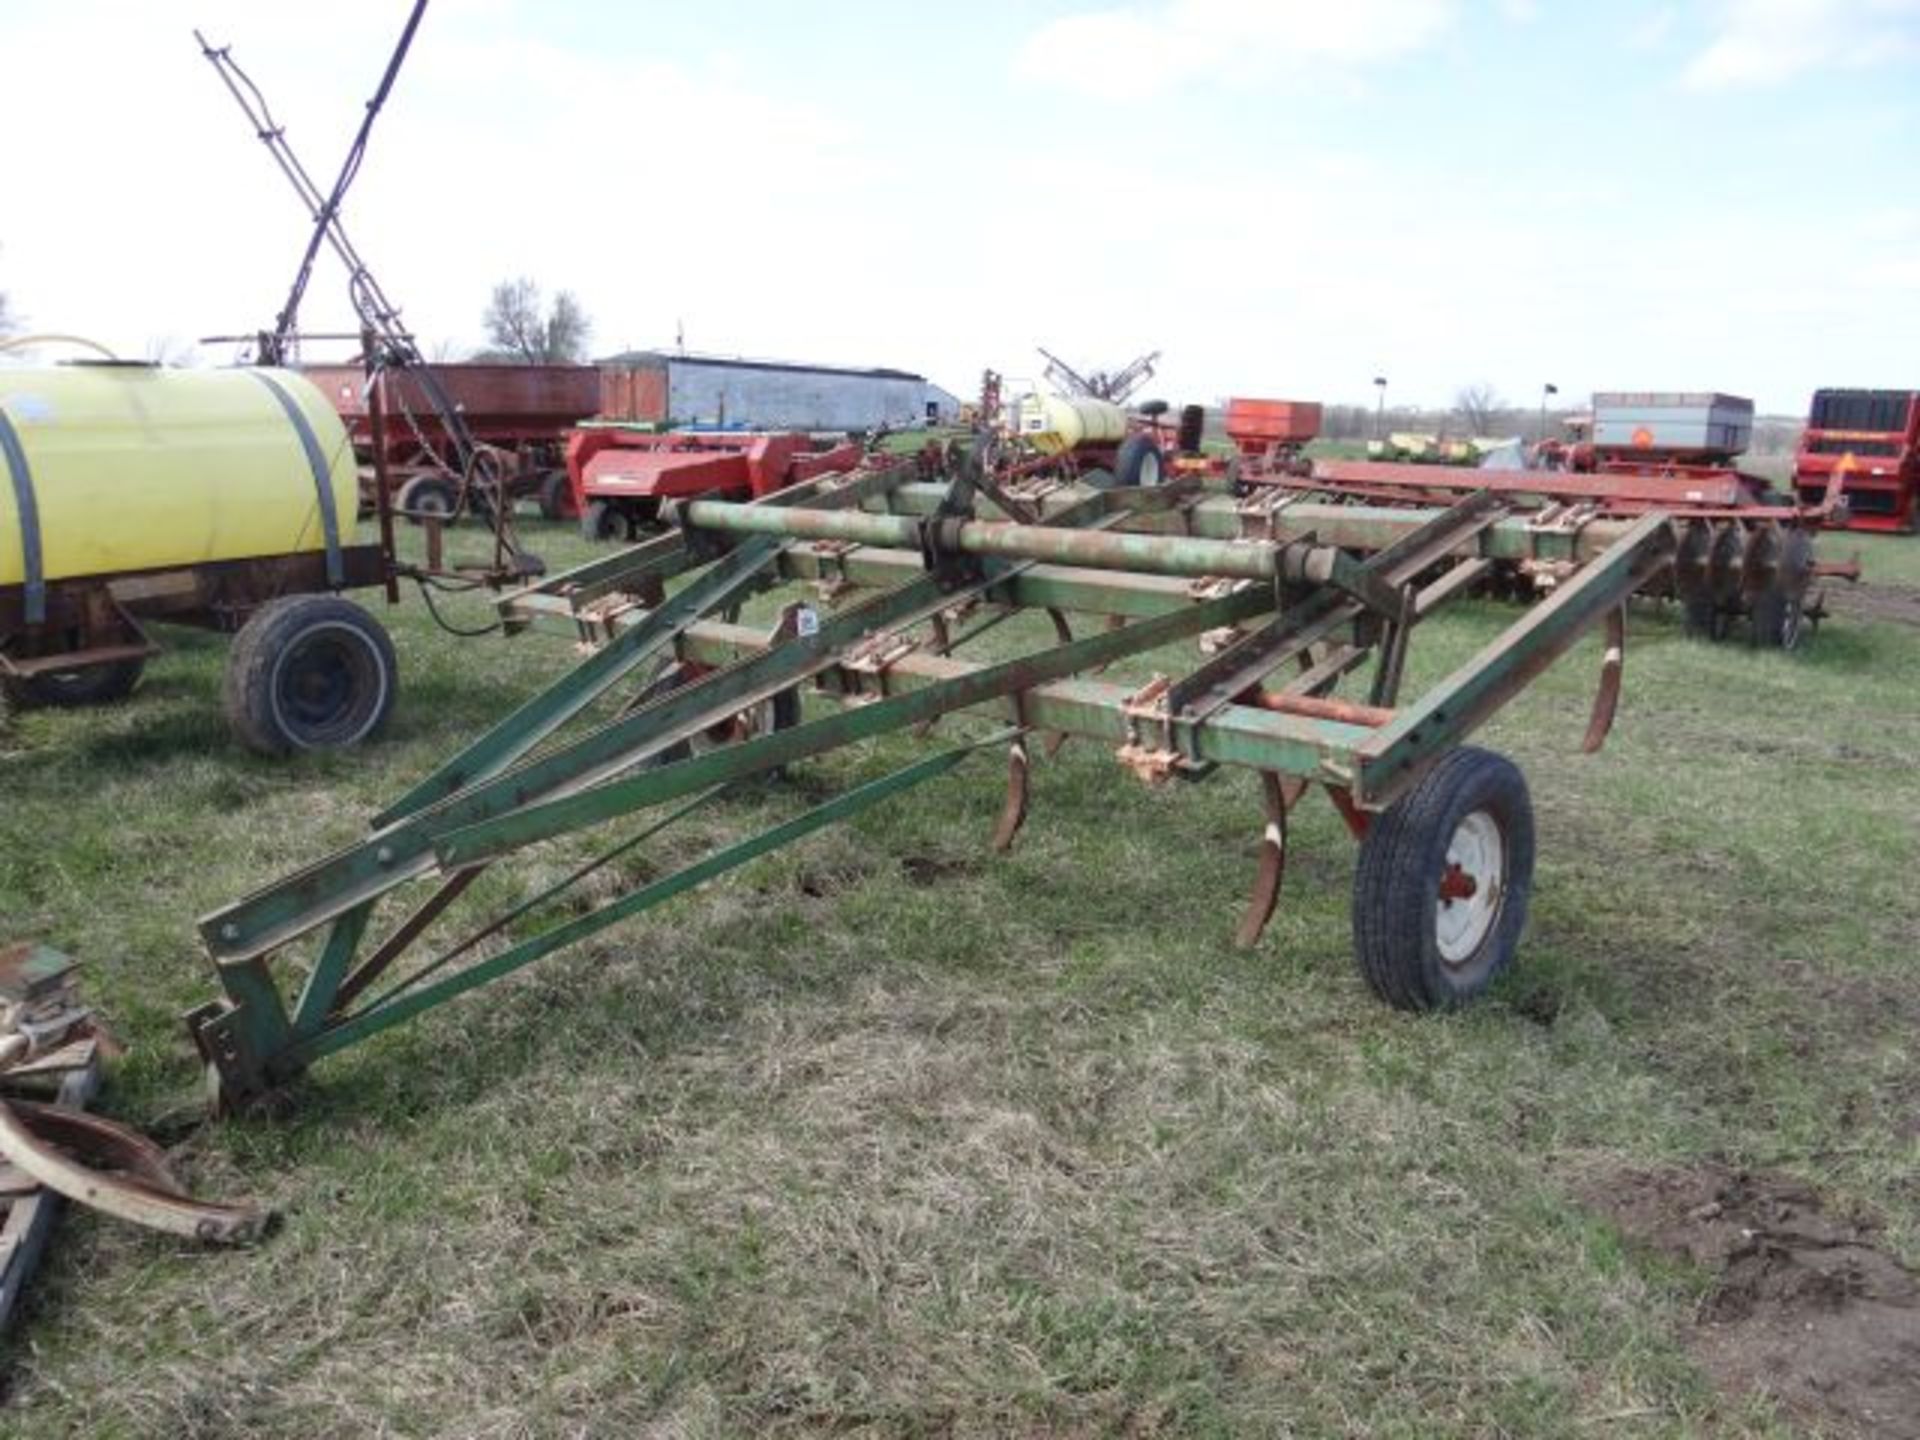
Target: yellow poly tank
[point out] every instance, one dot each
(1055, 424)
(135, 467)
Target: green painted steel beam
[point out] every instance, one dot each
(1149, 554)
(1350, 527)
(404, 1005)
(499, 835)
(663, 556)
(728, 579)
(1394, 756)
(401, 852)
(1295, 745)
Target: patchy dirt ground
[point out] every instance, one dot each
(1893, 602)
(1804, 1307)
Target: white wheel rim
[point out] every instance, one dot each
(1476, 856)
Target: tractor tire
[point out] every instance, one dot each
(1138, 462)
(1465, 828)
(429, 495)
(68, 689)
(556, 497)
(310, 672)
(603, 520)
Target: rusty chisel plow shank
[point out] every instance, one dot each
(1290, 600)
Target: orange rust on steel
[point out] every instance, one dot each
(1606, 699)
(1318, 707)
(410, 930)
(121, 1195)
(1358, 821)
(1719, 491)
(1273, 863)
(1014, 813)
(100, 1142)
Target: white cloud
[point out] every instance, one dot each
(1764, 42)
(1161, 46)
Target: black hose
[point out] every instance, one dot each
(426, 594)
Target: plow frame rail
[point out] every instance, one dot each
(1331, 590)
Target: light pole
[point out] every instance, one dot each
(1546, 390)
(1379, 404)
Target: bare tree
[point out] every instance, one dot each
(567, 328)
(1479, 405)
(520, 333)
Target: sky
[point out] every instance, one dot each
(1285, 197)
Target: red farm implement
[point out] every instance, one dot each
(522, 412)
(620, 475)
(1868, 440)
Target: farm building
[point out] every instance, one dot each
(764, 394)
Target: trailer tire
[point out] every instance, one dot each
(1138, 462)
(604, 520)
(429, 495)
(1467, 822)
(556, 497)
(70, 689)
(310, 672)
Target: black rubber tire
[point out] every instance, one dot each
(310, 672)
(1193, 429)
(69, 689)
(1397, 880)
(603, 520)
(428, 495)
(1139, 462)
(1778, 621)
(556, 497)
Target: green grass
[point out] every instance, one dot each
(888, 1134)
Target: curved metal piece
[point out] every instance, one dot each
(1606, 699)
(32, 567)
(1273, 864)
(1014, 813)
(123, 1195)
(322, 469)
(100, 1143)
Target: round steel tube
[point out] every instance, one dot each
(1095, 549)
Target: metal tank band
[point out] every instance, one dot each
(322, 476)
(35, 588)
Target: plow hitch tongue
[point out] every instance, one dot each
(1289, 604)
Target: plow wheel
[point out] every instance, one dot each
(1440, 892)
